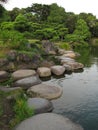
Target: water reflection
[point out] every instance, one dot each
(79, 101)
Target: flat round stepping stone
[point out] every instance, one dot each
(45, 91)
(27, 82)
(20, 74)
(44, 71)
(70, 54)
(3, 76)
(48, 121)
(40, 105)
(74, 65)
(58, 70)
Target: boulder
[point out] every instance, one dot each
(45, 91)
(40, 105)
(44, 71)
(58, 70)
(46, 63)
(12, 55)
(67, 67)
(70, 54)
(3, 76)
(3, 61)
(67, 60)
(20, 74)
(48, 47)
(74, 65)
(48, 121)
(26, 83)
(61, 51)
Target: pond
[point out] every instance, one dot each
(79, 101)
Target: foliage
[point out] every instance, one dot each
(82, 30)
(57, 14)
(13, 39)
(64, 45)
(70, 21)
(21, 110)
(7, 26)
(21, 23)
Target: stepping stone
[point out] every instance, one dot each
(48, 121)
(20, 74)
(44, 71)
(66, 60)
(45, 91)
(27, 82)
(58, 70)
(3, 76)
(40, 105)
(70, 54)
(74, 65)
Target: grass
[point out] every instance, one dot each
(64, 45)
(4, 49)
(21, 110)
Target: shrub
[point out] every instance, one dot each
(13, 39)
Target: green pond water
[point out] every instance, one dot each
(79, 101)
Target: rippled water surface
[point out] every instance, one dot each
(79, 101)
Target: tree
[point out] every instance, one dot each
(21, 23)
(14, 13)
(57, 14)
(70, 21)
(4, 16)
(40, 11)
(82, 30)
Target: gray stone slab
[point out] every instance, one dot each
(40, 105)
(48, 121)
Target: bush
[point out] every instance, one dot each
(64, 45)
(13, 39)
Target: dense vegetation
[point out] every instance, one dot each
(45, 22)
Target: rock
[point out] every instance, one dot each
(19, 74)
(66, 60)
(70, 54)
(12, 93)
(12, 55)
(9, 89)
(22, 57)
(74, 65)
(46, 63)
(67, 67)
(44, 71)
(61, 51)
(3, 76)
(40, 105)
(26, 83)
(45, 91)
(11, 67)
(48, 121)
(3, 62)
(48, 47)
(58, 70)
